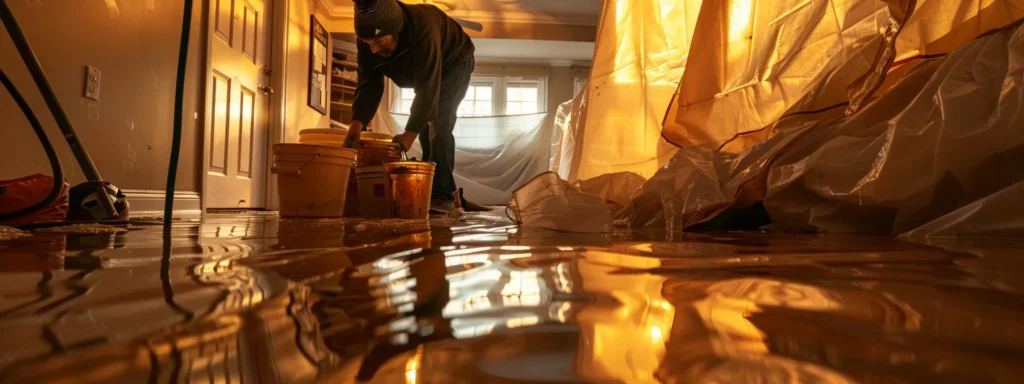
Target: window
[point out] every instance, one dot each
(578, 83)
(479, 100)
(521, 98)
(405, 97)
(490, 96)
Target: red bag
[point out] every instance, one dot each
(29, 190)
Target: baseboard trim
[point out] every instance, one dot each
(149, 203)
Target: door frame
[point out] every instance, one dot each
(278, 39)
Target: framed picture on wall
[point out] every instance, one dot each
(318, 68)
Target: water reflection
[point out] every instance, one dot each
(271, 300)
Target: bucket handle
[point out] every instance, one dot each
(402, 151)
(290, 170)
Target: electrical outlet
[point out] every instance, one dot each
(92, 83)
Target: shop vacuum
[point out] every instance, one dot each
(93, 201)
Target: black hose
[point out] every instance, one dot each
(179, 90)
(58, 171)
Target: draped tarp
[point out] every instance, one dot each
(493, 155)
(615, 122)
(935, 152)
(753, 62)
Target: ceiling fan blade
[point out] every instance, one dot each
(469, 24)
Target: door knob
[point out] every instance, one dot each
(266, 89)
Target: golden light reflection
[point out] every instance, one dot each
(523, 289)
(625, 339)
(657, 334)
(524, 321)
(513, 256)
(412, 367)
(240, 283)
(477, 301)
(729, 303)
(624, 69)
(563, 278)
(468, 328)
(740, 12)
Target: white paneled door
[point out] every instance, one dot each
(238, 98)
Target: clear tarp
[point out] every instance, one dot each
(755, 61)
(820, 115)
(615, 122)
(493, 155)
(936, 154)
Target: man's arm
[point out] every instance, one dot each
(369, 88)
(428, 82)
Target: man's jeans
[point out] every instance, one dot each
(438, 141)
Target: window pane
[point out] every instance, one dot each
(514, 94)
(408, 93)
(482, 108)
(465, 108)
(530, 94)
(513, 108)
(469, 94)
(529, 107)
(484, 93)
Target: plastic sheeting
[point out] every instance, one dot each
(757, 61)
(615, 122)
(935, 154)
(547, 202)
(493, 155)
(617, 189)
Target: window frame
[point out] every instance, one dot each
(499, 88)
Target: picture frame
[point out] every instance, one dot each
(319, 70)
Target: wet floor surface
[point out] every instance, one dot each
(262, 299)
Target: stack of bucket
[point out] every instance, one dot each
(375, 149)
(313, 174)
(382, 184)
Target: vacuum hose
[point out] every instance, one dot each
(58, 171)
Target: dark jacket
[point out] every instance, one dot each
(429, 43)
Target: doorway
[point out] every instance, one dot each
(238, 103)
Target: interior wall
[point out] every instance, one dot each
(128, 131)
(298, 114)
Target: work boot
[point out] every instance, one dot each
(442, 207)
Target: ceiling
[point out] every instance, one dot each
(533, 51)
(566, 12)
(515, 51)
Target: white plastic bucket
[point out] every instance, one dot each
(312, 179)
(373, 202)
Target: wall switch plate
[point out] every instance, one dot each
(92, 83)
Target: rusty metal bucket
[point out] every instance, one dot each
(407, 186)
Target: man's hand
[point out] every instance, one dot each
(354, 129)
(406, 139)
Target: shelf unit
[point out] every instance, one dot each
(343, 88)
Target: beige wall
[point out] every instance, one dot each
(298, 114)
(127, 132)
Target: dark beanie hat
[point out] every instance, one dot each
(377, 18)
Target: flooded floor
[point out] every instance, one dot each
(255, 298)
